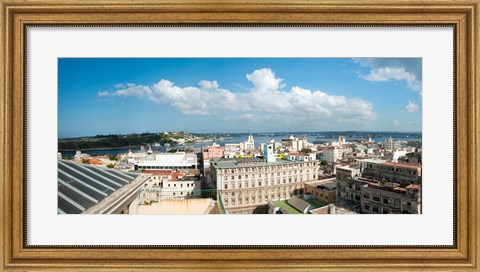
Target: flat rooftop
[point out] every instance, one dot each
(180, 206)
(251, 162)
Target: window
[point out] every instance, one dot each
(366, 207)
(396, 202)
(239, 176)
(376, 198)
(259, 182)
(226, 202)
(226, 185)
(386, 200)
(233, 201)
(366, 196)
(386, 211)
(240, 185)
(246, 184)
(376, 209)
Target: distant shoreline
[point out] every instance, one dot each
(99, 148)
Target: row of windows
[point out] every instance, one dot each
(392, 169)
(376, 209)
(260, 182)
(181, 185)
(253, 199)
(266, 168)
(143, 167)
(384, 199)
(225, 178)
(272, 174)
(272, 190)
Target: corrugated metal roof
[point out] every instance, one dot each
(81, 186)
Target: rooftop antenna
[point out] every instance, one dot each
(361, 126)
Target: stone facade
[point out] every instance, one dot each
(247, 186)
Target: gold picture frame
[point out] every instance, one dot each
(17, 14)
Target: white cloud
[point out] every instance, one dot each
(263, 102)
(105, 93)
(396, 123)
(401, 69)
(264, 80)
(411, 107)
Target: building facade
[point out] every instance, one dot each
(247, 185)
(179, 160)
(384, 171)
(210, 152)
(380, 187)
(324, 192)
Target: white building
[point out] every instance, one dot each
(331, 154)
(80, 156)
(179, 160)
(247, 185)
(294, 156)
(232, 148)
(390, 144)
(249, 144)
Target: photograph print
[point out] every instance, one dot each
(224, 136)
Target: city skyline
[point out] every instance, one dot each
(124, 96)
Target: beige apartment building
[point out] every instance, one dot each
(247, 185)
(381, 189)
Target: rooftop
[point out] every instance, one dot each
(180, 206)
(81, 186)
(286, 207)
(403, 165)
(247, 162)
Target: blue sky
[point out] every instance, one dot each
(203, 95)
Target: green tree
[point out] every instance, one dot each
(173, 150)
(113, 158)
(306, 150)
(324, 162)
(111, 165)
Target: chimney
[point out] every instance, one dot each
(331, 209)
